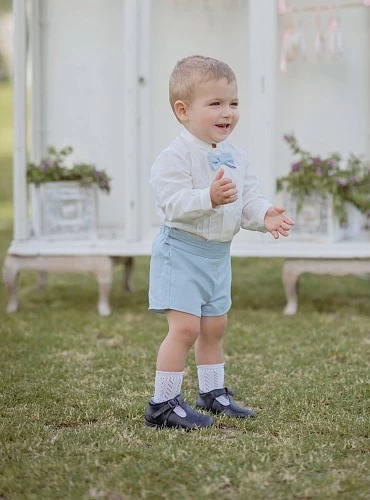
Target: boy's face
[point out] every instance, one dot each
(213, 113)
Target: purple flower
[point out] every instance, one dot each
(316, 160)
(342, 182)
(319, 172)
(288, 138)
(296, 167)
(45, 164)
(331, 164)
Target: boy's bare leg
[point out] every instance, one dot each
(183, 330)
(209, 345)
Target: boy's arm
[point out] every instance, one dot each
(173, 185)
(255, 205)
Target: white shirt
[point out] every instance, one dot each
(181, 177)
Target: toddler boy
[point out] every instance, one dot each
(205, 193)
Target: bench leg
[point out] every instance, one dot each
(104, 275)
(129, 263)
(10, 276)
(290, 279)
(128, 269)
(43, 280)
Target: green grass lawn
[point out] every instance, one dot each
(74, 387)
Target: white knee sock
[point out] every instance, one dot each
(168, 386)
(212, 377)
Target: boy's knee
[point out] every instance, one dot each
(222, 324)
(188, 334)
(215, 328)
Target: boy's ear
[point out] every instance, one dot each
(181, 110)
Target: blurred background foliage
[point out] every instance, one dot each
(5, 5)
(5, 8)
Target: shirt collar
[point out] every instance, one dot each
(192, 139)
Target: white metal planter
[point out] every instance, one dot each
(62, 210)
(317, 222)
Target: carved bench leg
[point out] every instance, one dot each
(104, 275)
(129, 263)
(290, 279)
(10, 275)
(128, 268)
(43, 280)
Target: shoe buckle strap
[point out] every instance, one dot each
(220, 392)
(170, 405)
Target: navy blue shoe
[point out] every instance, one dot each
(208, 401)
(161, 415)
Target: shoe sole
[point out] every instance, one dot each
(158, 426)
(149, 424)
(178, 427)
(217, 412)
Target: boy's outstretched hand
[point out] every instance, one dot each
(277, 222)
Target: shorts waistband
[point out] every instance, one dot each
(193, 244)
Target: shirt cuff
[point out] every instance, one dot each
(261, 217)
(257, 220)
(205, 199)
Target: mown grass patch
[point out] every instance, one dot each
(75, 386)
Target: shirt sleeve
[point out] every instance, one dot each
(172, 183)
(255, 205)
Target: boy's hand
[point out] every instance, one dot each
(222, 190)
(276, 222)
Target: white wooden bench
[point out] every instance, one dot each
(340, 258)
(99, 256)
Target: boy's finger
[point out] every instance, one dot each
(225, 181)
(283, 232)
(219, 174)
(279, 209)
(231, 199)
(230, 192)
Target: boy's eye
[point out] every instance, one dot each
(235, 104)
(215, 103)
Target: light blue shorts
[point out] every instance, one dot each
(189, 274)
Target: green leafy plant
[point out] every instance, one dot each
(53, 168)
(327, 176)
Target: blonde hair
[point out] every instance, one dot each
(191, 71)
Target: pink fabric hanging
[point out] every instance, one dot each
(282, 7)
(332, 35)
(285, 48)
(319, 38)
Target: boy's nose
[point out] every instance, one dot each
(227, 111)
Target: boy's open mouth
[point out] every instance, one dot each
(223, 125)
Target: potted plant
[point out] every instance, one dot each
(326, 199)
(64, 196)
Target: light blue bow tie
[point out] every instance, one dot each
(218, 159)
